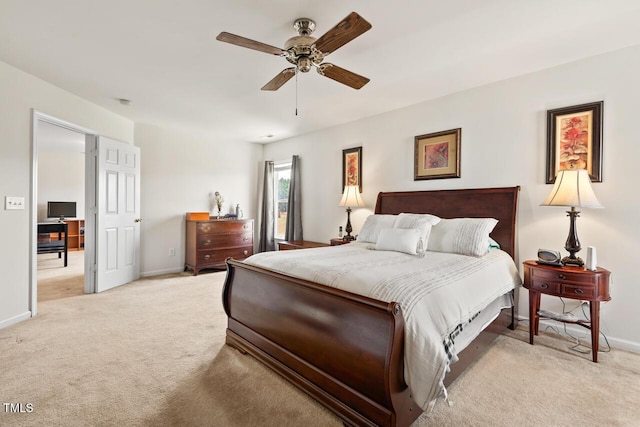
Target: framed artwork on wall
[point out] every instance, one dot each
(437, 155)
(352, 167)
(574, 140)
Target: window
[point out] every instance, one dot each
(282, 178)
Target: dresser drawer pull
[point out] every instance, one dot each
(544, 286)
(245, 226)
(206, 228)
(244, 239)
(207, 242)
(207, 257)
(561, 276)
(578, 291)
(246, 252)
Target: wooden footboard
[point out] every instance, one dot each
(343, 349)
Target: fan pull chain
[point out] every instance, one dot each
(296, 90)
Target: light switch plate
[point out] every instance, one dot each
(13, 203)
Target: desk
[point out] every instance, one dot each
(59, 246)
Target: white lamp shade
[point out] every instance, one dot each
(572, 188)
(351, 197)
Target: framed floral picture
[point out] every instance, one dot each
(352, 167)
(574, 140)
(437, 155)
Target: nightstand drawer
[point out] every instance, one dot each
(546, 286)
(578, 291)
(561, 276)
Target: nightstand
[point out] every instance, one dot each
(299, 244)
(336, 241)
(567, 282)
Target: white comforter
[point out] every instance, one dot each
(437, 293)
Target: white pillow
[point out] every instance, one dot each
(420, 222)
(466, 236)
(407, 218)
(372, 226)
(404, 240)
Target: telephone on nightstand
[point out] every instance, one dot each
(549, 257)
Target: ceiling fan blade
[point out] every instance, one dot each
(343, 76)
(248, 43)
(348, 29)
(280, 79)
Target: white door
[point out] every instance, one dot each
(117, 214)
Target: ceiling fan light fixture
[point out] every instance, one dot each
(304, 64)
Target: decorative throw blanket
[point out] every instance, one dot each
(438, 293)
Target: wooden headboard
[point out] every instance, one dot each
(498, 203)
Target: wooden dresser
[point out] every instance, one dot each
(211, 242)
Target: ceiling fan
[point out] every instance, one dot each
(305, 51)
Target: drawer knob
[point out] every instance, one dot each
(246, 252)
(206, 228)
(544, 286)
(561, 276)
(207, 257)
(578, 291)
(244, 239)
(207, 242)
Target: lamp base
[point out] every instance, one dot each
(577, 261)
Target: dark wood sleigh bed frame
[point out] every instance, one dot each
(346, 350)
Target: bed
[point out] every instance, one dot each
(359, 373)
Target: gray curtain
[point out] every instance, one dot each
(294, 208)
(267, 223)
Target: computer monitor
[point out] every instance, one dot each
(61, 210)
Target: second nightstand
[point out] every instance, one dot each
(567, 282)
(339, 241)
(299, 244)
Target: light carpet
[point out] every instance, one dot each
(152, 353)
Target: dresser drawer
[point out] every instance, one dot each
(224, 227)
(210, 241)
(218, 256)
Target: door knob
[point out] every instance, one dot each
(138, 219)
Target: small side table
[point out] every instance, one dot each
(336, 241)
(567, 282)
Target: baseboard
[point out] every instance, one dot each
(614, 342)
(15, 319)
(160, 272)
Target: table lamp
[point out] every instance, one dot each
(572, 188)
(351, 198)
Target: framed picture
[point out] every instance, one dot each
(352, 167)
(574, 140)
(437, 155)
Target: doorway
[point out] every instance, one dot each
(61, 172)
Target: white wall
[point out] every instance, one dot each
(61, 179)
(178, 172)
(19, 94)
(503, 144)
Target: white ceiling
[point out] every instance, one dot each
(162, 54)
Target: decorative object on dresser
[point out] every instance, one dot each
(210, 242)
(574, 140)
(299, 244)
(352, 167)
(437, 155)
(572, 188)
(566, 282)
(350, 198)
(219, 201)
